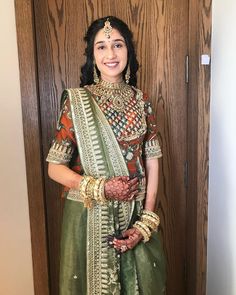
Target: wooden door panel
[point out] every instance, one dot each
(161, 33)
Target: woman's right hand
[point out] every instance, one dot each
(121, 188)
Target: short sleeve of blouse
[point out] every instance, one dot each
(152, 147)
(64, 143)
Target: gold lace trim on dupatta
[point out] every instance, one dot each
(100, 156)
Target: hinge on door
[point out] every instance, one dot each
(186, 174)
(186, 69)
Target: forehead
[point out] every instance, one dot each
(100, 36)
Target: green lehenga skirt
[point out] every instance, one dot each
(137, 271)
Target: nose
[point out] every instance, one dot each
(111, 53)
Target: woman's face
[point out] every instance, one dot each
(110, 55)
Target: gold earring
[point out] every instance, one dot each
(127, 75)
(95, 75)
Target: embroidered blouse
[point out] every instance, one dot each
(135, 131)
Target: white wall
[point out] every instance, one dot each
(222, 196)
(15, 247)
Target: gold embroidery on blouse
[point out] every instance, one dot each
(139, 126)
(60, 153)
(128, 123)
(152, 149)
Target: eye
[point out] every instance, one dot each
(101, 47)
(118, 45)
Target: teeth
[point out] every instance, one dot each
(112, 64)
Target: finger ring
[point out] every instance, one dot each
(123, 248)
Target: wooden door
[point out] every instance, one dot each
(161, 34)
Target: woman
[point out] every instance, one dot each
(106, 154)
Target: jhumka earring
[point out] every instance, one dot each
(127, 75)
(95, 75)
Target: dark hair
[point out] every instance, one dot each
(87, 69)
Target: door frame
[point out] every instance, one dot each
(198, 144)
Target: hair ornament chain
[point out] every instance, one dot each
(107, 29)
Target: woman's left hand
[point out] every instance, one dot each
(131, 238)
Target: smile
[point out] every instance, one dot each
(111, 64)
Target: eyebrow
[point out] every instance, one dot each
(99, 42)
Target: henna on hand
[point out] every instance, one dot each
(131, 238)
(121, 188)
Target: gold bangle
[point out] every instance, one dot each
(88, 201)
(101, 193)
(150, 223)
(146, 238)
(144, 230)
(144, 226)
(151, 213)
(96, 188)
(83, 191)
(92, 189)
(83, 184)
(151, 216)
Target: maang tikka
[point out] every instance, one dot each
(107, 29)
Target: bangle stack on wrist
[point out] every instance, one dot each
(149, 222)
(92, 189)
(83, 190)
(99, 193)
(151, 219)
(144, 230)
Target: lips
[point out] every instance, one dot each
(111, 64)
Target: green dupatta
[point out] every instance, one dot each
(84, 245)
